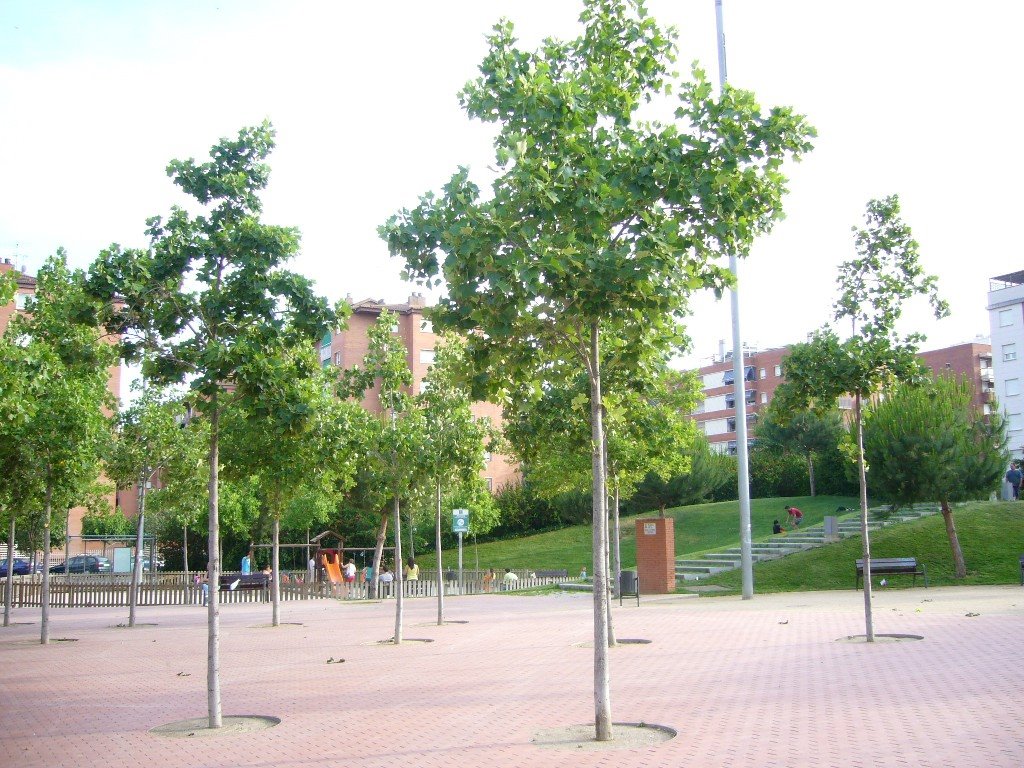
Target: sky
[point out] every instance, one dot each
(909, 97)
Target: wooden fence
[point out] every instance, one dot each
(107, 590)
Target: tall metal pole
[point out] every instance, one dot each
(739, 380)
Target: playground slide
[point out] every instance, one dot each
(333, 570)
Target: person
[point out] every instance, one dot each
(247, 563)
(583, 573)
(776, 527)
(367, 573)
(348, 573)
(205, 584)
(386, 578)
(1013, 477)
(412, 571)
(509, 578)
(311, 570)
(488, 580)
(795, 516)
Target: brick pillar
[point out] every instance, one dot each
(656, 555)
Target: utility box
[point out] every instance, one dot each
(831, 527)
(656, 555)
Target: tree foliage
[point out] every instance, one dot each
(873, 289)
(930, 443)
(210, 298)
(806, 433)
(598, 225)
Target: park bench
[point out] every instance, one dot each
(246, 581)
(553, 574)
(892, 566)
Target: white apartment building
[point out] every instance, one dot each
(1006, 320)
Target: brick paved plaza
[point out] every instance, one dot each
(745, 683)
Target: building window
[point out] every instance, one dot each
(1009, 353)
(424, 385)
(764, 398)
(1005, 318)
(427, 326)
(778, 370)
(487, 457)
(731, 448)
(763, 373)
(748, 375)
(19, 300)
(490, 484)
(1013, 422)
(750, 396)
(1012, 387)
(730, 424)
(426, 356)
(730, 400)
(337, 359)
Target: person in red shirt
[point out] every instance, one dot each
(795, 516)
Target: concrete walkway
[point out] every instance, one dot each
(763, 682)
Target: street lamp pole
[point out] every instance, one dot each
(739, 380)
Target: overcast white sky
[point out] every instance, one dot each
(915, 97)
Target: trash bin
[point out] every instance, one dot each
(628, 586)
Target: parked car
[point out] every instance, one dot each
(80, 564)
(22, 567)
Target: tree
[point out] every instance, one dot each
(207, 299)
(806, 433)
(392, 444)
(929, 443)
(293, 443)
(144, 439)
(62, 363)
(455, 440)
(599, 225)
(873, 289)
(707, 472)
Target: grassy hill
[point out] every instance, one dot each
(991, 535)
(698, 528)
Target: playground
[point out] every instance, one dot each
(780, 680)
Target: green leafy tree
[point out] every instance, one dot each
(806, 433)
(873, 289)
(293, 443)
(598, 225)
(144, 438)
(392, 444)
(929, 443)
(62, 364)
(206, 300)
(706, 472)
(454, 441)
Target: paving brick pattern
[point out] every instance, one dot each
(746, 683)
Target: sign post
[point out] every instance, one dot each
(460, 525)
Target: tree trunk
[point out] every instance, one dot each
(275, 574)
(213, 576)
(412, 533)
(959, 566)
(869, 630)
(602, 695)
(397, 583)
(616, 541)
(44, 599)
(140, 533)
(810, 470)
(440, 565)
(378, 556)
(9, 584)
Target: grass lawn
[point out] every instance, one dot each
(991, 535)
(698, 528)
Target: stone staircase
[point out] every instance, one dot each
(796, 541)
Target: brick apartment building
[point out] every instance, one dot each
(26, 288)
(764, 372)
(348, 347)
